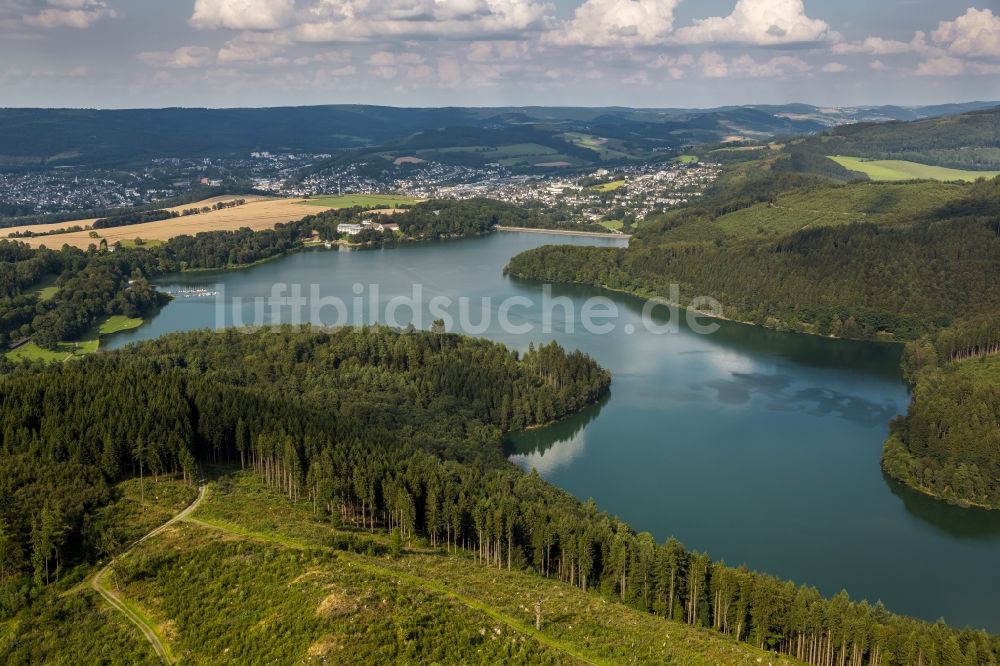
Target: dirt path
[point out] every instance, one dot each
(134, 614)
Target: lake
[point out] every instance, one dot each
(758, 447)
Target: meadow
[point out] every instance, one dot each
(896, 170)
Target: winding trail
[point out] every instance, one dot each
(135, 614)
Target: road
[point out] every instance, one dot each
(148, 628)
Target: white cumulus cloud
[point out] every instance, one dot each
(974, 34)
(834, 67)
(618, 23)
(758, 22)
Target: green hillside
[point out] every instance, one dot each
(252, 576)
(966, 141)
(820, 205)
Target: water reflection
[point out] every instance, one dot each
(878, 358)
(548, 449)
(955, 521)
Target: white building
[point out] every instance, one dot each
(349, 229)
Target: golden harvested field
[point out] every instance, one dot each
(41, 228)
(258, 213)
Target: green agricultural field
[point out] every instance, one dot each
(361, 201)
(686, 159)
(894, 170)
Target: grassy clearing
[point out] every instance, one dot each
(895, 170)
(88, 343)
(361, 201)
(610, 186)
(223, 598)
(117, 323)
(270, 561)
(45, 288)
(137, 510)
(686, 159)
(980, 370)
(64, 352)
(613, 225)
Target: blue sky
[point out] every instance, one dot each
(681, 53)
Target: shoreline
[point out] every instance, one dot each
(564, 232)
(719, 317)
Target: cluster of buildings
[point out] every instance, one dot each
(66, 190)
(628, 193)
(271, 172)
(632, 192)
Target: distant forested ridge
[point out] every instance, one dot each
(392, 430)
(44, 138)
